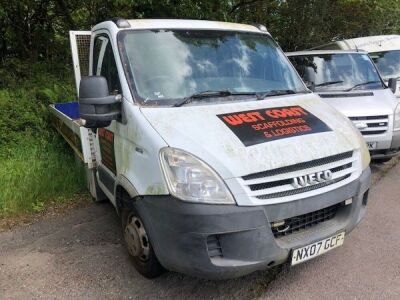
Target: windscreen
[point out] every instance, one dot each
(388, 63)
(338, 72)
(164, 66)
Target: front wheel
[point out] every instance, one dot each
(138, 244)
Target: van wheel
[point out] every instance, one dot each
(138, 244)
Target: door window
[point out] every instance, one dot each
(104, 63)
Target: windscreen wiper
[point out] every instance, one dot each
(363, 83)
(210, 94)
(261, 96)
(329, 83)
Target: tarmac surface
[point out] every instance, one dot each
(80, 255)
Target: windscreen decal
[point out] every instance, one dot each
(265, 125)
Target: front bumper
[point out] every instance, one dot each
(392, 151)
(181, 232)
(396, 139)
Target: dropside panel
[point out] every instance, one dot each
(65, 118)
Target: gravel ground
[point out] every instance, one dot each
(79, 254)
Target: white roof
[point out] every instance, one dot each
(374, 43)
(316, 52)
(189, 24)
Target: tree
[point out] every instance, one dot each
(37, 30)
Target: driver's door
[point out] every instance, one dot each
(103, 64)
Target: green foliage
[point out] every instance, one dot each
(36, 165)
(38, 30)
(299, 24)
(24, 106)
(37, 172)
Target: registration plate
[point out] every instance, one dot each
(313, 250)
(372, 145)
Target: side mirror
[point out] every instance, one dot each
(392, 84)
(310, 85)
(96, 106)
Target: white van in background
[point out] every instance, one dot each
(349, 81)
(383, 49)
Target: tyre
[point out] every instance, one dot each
(138, 245)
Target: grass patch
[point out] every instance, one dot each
(37, 174)
(36, 166)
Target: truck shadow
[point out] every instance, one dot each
(380, 169)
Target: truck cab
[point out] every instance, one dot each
(218, 159)
(349, 81)
(383, 49)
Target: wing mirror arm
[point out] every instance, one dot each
(310, 85)
(392, 84)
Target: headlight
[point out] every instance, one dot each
(397, 118)
(192, 180)
(365, 156)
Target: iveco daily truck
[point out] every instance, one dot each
(216, 156)
(349, 81)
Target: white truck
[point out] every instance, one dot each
(216, 156)
(349, 81)
(383, 49)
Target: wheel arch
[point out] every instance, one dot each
(125, 193)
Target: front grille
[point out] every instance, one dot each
(373, 124)
(279, 183)
(300, 166)
(304, 189)
(213, 246)
(345, 95)
(367, 118)
(373, 132)
(299, 223)
(266, 185)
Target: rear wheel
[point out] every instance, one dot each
(139, 246)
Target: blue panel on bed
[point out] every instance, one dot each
(71, 109)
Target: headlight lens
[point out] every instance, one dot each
(192, 180)
(365, 156)
(397, 118)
